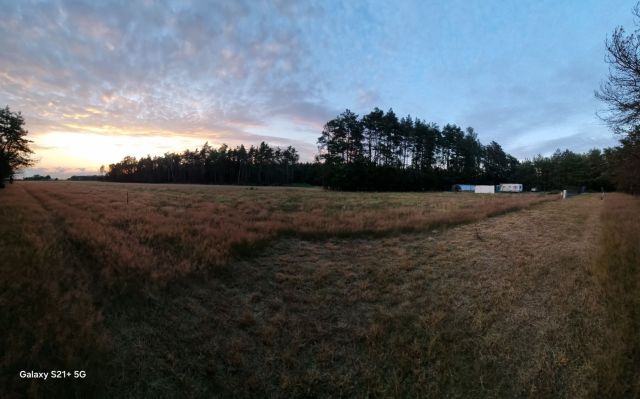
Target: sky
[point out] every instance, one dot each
(99, 80)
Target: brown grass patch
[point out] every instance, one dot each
(48, 317)
(436, 314)
(168, 231)
(617, 268)
(382, 302)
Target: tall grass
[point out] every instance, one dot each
(617, 268)
(48, 317)
(159, 232)
(502, 308)
(69, 251)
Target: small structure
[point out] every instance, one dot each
(570, 192)
(463, 188)
(485, 190)
(510, 188)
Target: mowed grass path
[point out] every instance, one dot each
(505, 306)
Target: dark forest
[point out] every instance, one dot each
(381, 152)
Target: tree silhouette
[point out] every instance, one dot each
(260, 165)
(14, 147)
(380, 152)
(624, 162)
(621, 91)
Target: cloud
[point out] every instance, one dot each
(528, 116)
(213, 69)
(244, 71)
(305, 113)
(367, 98)
(578, 142)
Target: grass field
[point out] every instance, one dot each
(200, 291)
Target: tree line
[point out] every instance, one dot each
(454, 157)
(259, 165)
(375, 152)
(39, 178)
(380, 151)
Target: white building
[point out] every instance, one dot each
(485, 189)
(510, 188)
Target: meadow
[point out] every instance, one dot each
(179, 290)
(163, 231)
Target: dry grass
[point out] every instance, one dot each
(617, 267)
(48, 316)
(387, 300)
(437, 314)
(167, 231)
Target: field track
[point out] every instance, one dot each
(503, 306)
(489, 309)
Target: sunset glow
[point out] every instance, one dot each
(88, 151)
(98, 81)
